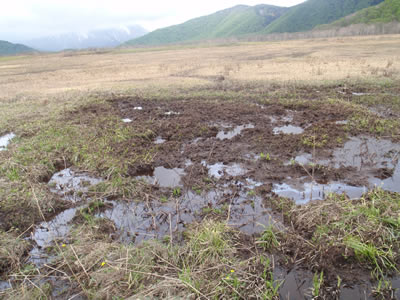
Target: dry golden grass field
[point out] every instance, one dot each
(301, 60)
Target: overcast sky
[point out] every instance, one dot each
(20, 19)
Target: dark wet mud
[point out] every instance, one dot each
(263, 149)
(226, 160)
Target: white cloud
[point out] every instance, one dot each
(21, 19)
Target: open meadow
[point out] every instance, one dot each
(239, 171)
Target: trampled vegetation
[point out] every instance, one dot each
(168, 173)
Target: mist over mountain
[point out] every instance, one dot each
(102, 38)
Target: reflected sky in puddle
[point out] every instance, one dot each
(366, 152)
(159, 140)
(303, 193)
(46, 233)
(172, 113)
(227, 135)
(343, 122)
(5, 140)
(138, 221)
(218, 170)
(288, 129)
(367, 155)
(296, 283)
(167, 178)
(391, 184)
(5, 285)
(72, 185)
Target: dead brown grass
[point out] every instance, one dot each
(302, 60)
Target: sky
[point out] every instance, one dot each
(24, 19)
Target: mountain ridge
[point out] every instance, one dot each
(309, 14)
(234, 21)
(385, 12)
(243, 20)
(7, 48)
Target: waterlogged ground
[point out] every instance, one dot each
(293, 176)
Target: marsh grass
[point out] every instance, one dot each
(207, 266)
(66, 120)
(363, 230)
(12, 250)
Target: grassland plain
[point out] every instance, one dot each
(67, 110)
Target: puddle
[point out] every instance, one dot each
(250, 216)
(360, 94)
(223, 135)
(391, 184)
(196, 140)
(359, 292)
(159, 140)
(251, 183)
(167, 178)
(288, 118)
(188, 163)
(303, 159)
(127, 120)
(297, 284)
(273, 119)
(72, 185)
(138, 108)
(366, 152)
(5, 285)
(5, 140)
(171, 113)
(138, 221)
(343, 122)
(251, 156)
(396, 286)
(219, 169)
(260, 105)
(303, 193)
(369, 155)
(46, 233)
(288, 129)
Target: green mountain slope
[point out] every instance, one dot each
(311, 13)
(7, 48)
(386, 12)
(235, 21)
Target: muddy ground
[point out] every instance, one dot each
(248, 162)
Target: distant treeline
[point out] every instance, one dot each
(351, 30)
